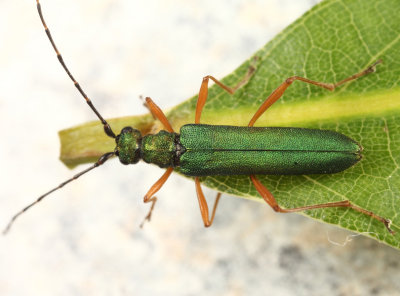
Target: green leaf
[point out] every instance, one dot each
(335, 39)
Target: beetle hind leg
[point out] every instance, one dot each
(270, 200)
(278, 93)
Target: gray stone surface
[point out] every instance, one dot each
(85, 240)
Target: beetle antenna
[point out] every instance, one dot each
(101, 160)
(107, 127)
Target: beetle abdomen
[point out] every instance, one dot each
(231, 150)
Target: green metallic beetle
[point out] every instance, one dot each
(204, 150)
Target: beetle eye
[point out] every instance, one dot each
(127, 129)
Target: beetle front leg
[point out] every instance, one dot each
(157, 113)
(149, 197)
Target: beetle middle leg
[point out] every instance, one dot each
(277, 93)
(203, 93)
(204, 206)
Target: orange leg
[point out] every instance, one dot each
(203, 93)
(277, 93)
(270, 200)
(203, 204)
(153, 190)
(157, 113)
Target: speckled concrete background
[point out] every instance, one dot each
(85, 240)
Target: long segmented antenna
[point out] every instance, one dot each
(107, 128)
(101, 160)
